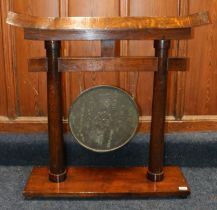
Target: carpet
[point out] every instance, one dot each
(196, 153)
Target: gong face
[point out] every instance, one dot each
(103, 118)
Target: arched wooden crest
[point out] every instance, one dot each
(103, 28)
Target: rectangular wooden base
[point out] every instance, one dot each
(83, 182)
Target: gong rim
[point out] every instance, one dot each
(95, 88)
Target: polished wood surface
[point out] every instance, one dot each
(8, 79)
(110, 48)
(108, 64)
(81, 28)
(90, 182)
(106, 23)
(145, 48)
(3, 98)
(57, 171)
(178, 64)
(201, 81)
(197, 98)
(156, 148)
(37, 64)
(182, 45)
(39, 124)
(140, 34)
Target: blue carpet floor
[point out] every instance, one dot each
(195, 152)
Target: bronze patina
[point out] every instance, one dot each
(103, 118)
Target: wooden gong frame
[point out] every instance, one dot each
(57, 180)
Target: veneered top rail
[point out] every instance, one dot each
(106, 23)
(73, 27)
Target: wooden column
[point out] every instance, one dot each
(156, 150)
(57, 170)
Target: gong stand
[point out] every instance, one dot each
(60, 181)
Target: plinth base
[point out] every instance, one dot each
(83, 182)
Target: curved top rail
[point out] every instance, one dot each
(106, 23)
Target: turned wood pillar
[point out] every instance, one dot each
(57, 169)
(156, 150)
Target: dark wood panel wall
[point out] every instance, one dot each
(192, 96)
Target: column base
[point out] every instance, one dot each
(57, 177)
(155, 177)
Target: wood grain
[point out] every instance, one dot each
(124, 12)
(31, 87)
(64, 12)
(180, 77)
(110, 48)
(90, 182)
(78, 81)
(199, 95)
(108, 64)
(39, 124)
(187, 124)
(201, 81)
(146, 48)
(119, 64)
(7, 54)
(3, 98)
(156, 146)
(57, 171)
(106, 23)
(38, 64)
(140, 34)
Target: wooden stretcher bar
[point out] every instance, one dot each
(106, 64)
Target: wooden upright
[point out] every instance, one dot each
(57, 171)
(154, 180)
(156, 153)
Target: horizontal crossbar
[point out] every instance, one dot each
(107, 64)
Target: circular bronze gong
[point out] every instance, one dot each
(103, 118)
